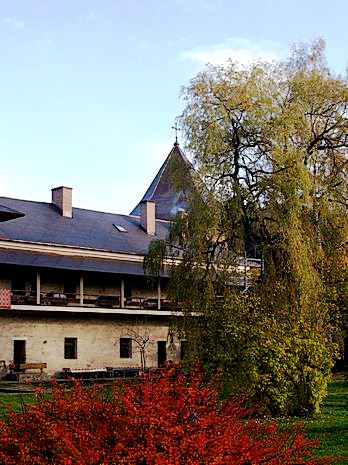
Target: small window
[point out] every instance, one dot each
(120, 228)
(70, 347)
(161, 353)
(125, 347)
(183, 349)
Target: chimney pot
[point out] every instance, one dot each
(62, 198)
(148, 217)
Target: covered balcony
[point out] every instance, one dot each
(65, 289)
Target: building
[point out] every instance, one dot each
(72, 287)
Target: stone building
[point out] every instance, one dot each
(72, 287)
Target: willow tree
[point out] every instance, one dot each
(269, 145)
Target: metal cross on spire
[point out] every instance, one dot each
(176, 129)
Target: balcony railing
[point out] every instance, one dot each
(61, 299)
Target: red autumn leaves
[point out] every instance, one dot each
(171, 419)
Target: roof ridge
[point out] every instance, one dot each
(154, 184)
(50, 204)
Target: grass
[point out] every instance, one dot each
(331, 426)
(16, 401)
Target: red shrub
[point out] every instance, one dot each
(170, 420)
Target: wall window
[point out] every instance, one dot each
(70, 347)
(183, 349)
(125, 347)
(161, 353)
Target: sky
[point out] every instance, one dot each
(90, 89)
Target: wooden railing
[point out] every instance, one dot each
(61, 299)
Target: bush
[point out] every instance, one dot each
(163, 419)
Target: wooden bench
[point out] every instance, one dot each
(33, 366)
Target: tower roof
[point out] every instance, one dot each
(170, 186)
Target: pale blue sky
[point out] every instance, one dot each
(89, 89)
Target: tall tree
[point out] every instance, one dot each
(269, 143)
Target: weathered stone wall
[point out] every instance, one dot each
(98, 339)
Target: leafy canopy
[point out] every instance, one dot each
(269, 145)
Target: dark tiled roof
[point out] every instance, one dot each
(41, 260)
(43, 223)
(169, 197)
(7, 214)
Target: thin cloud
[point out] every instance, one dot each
(238, 49)
(13, 22)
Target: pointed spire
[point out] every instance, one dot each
(168, 197)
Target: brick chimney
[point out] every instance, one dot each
(62, 198)
(147, 216)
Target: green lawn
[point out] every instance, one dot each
(15, 400)
(331, 426)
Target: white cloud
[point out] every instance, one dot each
(13, 22)
(238, 49)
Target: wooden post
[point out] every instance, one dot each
(159, 294)
(38, 287)
(122, 293)
(81, 290)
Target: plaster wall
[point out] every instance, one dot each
(98, 339)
